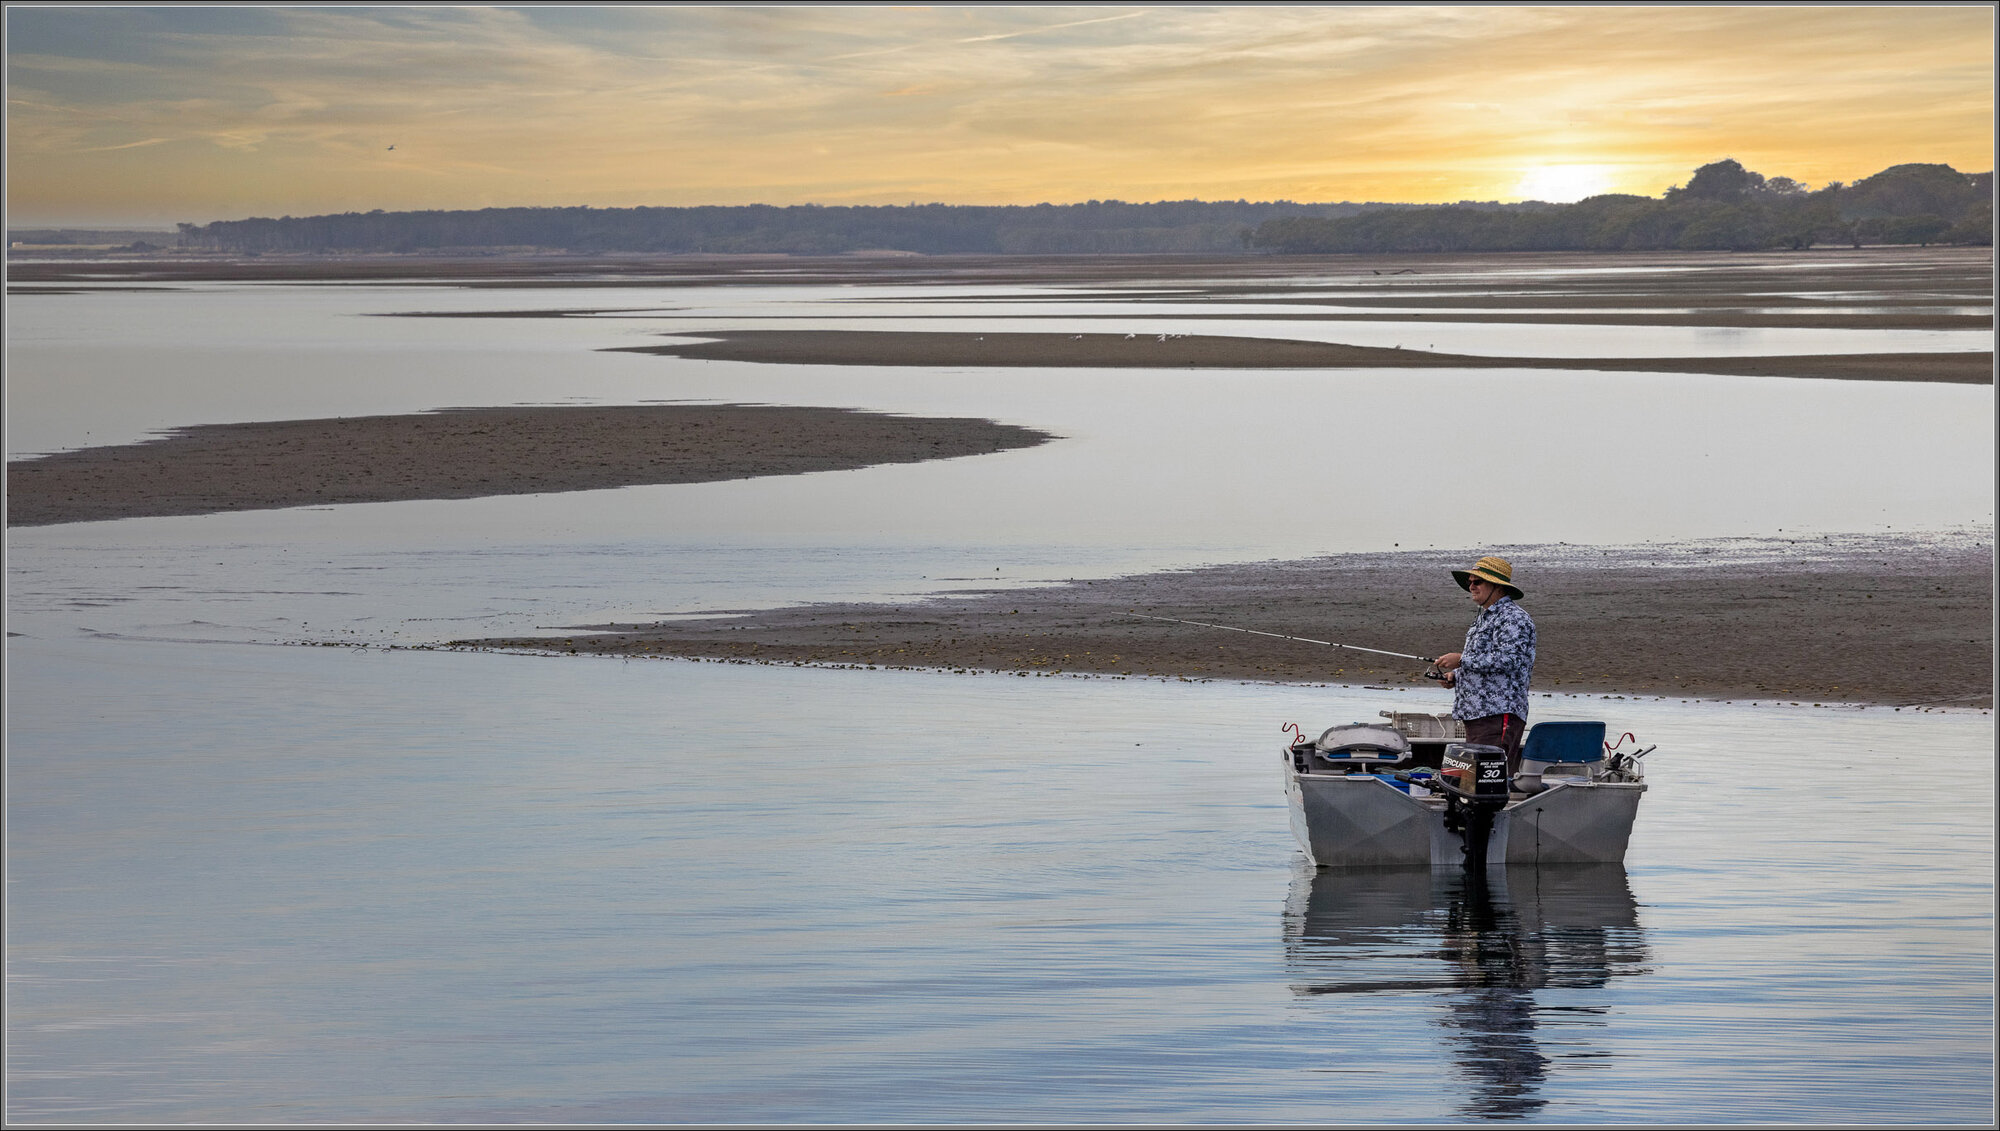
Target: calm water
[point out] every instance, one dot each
(1154, 469)
(110, 367)
(254, 883)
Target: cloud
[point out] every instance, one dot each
(140, 144)
(680, 105)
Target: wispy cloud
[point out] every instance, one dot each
(991, 38)
(140, 144)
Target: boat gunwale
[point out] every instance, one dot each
(1514, 800)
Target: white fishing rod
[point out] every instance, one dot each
(1282, 636)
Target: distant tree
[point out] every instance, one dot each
(1976, 228)
(1924, 230)
(1721, 180)
(1913, 190)
(1727, 227)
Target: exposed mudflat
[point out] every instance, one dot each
(1850, 620)
(469, 453)
(1200, 351)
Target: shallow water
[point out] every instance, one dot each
(257, 884)
(111, 367)
(254, 883)
(1152, 469)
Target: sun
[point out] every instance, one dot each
(1563, 184)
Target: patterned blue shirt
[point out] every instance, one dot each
(1498, 658)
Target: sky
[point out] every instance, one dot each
(149, 116)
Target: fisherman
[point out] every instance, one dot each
(1489, 680)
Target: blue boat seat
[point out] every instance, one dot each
(1564, 743)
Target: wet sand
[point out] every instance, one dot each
(1198, 351)
(1840, 620)
(469, 453)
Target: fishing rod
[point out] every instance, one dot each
(1282, 636)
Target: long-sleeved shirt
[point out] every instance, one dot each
(1493, 670)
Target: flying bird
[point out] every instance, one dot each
(392, 147)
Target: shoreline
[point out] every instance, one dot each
(1858, 620)
(1980, 705)
(1481, 315)
(474, 453)
(1878, 267)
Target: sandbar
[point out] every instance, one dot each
(1844, 619)
(1202, 351)
(474, 452)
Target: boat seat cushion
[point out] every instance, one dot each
(1564, 742)
(1363, 743)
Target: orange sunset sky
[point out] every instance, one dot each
(148, 116)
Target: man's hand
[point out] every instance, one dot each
(1450, 660)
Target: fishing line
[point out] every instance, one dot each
(1936, 702)
(1282, 636)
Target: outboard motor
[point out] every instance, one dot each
(1474, 781)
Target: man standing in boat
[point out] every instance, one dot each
(1489, 679)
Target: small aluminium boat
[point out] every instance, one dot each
(1411, 791)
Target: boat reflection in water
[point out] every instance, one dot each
(1487, 945)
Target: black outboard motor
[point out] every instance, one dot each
(1474, 782)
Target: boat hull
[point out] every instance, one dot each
(1362, 820)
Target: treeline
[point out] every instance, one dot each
(1094, 227)
(804, 229)
(89, 237)
(1723, 207)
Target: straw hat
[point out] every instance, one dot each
(1496, 570)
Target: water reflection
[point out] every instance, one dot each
(1490, 945)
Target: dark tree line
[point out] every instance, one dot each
(805, 229)
(1723, 206)
(58, 237)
